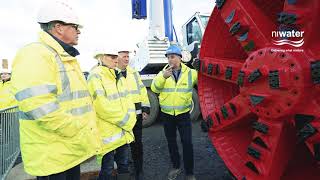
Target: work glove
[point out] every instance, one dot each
(196, 64)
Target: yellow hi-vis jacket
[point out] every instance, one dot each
(138, 92)
(6, 97)
(114, 108)
(57, 121)
(175, 98)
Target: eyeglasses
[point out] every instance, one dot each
(75, 26)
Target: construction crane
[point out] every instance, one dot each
(150, 56)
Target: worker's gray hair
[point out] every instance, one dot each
(100, 62)
(48, 26)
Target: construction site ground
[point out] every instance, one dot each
(208, 165)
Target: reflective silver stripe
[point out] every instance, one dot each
(134, 92)
(139, 111)
(94, 76)
(136, 78)
(175, 107)
(39, 112)
(184, 90)
(124, 120)
(141, 86)
(178, 90)
(189, 89)
(117, 95)
(63, 75)
(124, 94)
(65, 96)
(113, 138)
(36, 91)
(98, 93)
(80, 110)
(74, 95)
(131, 110)
(113, 96)
(66, 90)
(168, 89)
(190, 79)
(145, 105)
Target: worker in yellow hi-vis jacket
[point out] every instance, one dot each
(7, 99)
(174, 85)
(116, 114)
(139, 96)
(58, 128)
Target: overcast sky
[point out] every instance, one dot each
(105, 22)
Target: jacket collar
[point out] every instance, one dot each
(69, 49)
(51, 41)
(6, 82)
(183, 69)
(107, 71)
(130, 69)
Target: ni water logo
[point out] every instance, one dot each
(284, 37)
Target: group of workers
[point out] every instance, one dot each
(65, 120)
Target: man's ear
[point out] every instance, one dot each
(58, 28)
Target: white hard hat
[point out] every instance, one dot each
(5, 71)
(57, 11)
(124, 49)
(110, 51)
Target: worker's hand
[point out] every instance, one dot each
(196, 64)
(145, 116)
(167, 72)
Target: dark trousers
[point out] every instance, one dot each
(71, 174)
(136, 146)
(120, 155)
(181, 122)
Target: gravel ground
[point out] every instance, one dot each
(208, 165)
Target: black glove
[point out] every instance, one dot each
(196, 64)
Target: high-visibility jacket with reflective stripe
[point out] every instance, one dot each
(114, 108)
(57, 122)
(137, 90)
(175, 98)
(6, 97)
